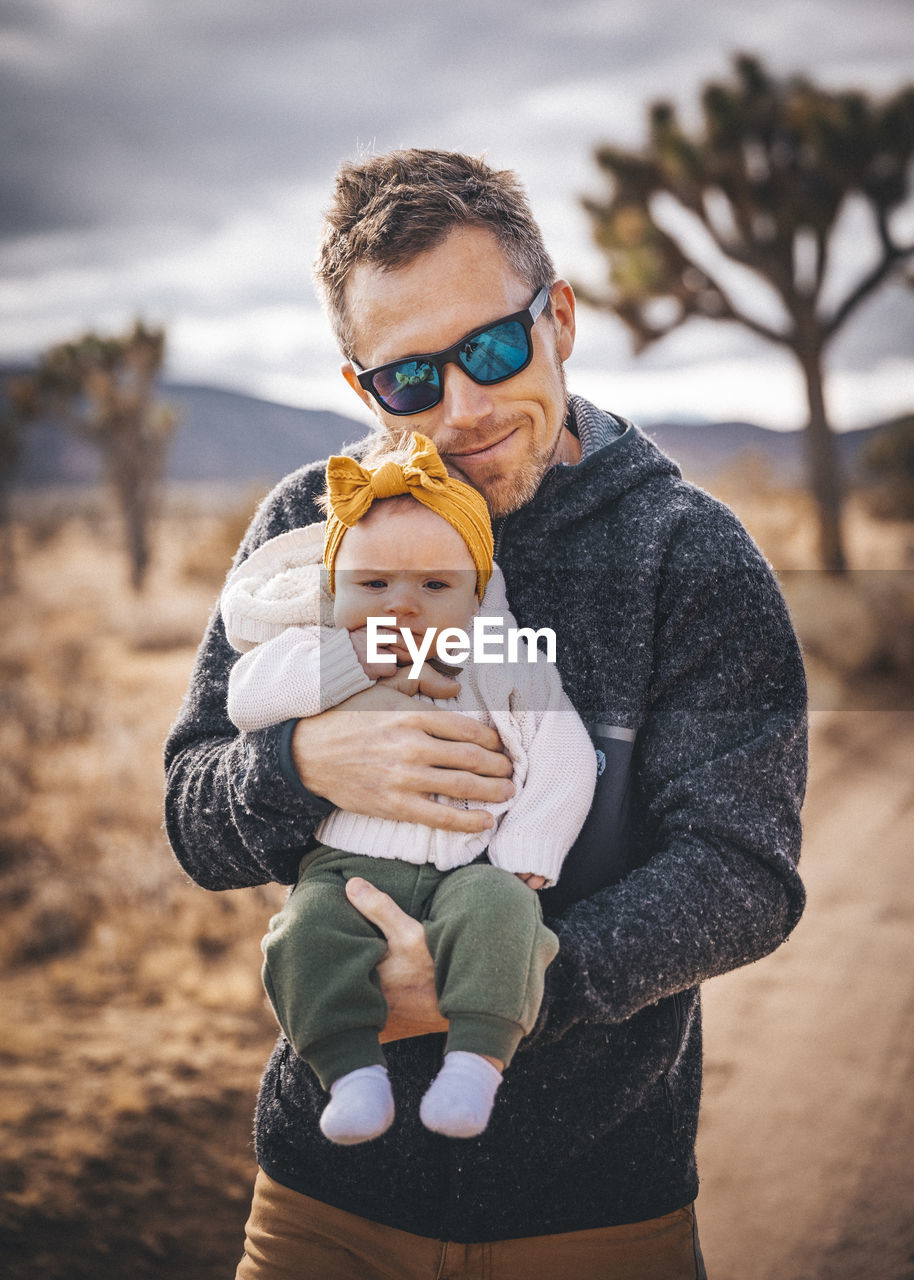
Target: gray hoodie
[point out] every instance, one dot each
(675, 647)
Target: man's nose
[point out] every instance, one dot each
(464, 402)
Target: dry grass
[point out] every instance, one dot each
(857, 630)
(134, 1028)
(783, 522)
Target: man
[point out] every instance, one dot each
(674, 645)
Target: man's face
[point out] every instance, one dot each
(502, 438)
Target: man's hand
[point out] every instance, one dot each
(382, 754)
(407, 973)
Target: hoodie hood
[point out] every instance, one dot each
(626, 462)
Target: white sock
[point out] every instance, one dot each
(361, 1106)
(460, 1098)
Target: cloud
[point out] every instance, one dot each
(716, 390)
(172, 159)
(136, 112)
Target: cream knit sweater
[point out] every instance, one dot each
(295, 671)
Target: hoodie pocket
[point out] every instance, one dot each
(676, 1008)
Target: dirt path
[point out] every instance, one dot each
(808, 1125)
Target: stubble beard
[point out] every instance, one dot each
(504, 494)
(507, 493)
(511, 491)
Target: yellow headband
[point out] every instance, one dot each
(352, 489)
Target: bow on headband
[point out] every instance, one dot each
(353, 488)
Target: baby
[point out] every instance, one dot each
(407, 541)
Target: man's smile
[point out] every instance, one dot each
(482, 452)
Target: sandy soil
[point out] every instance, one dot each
(808, 1127)
(133, 1029)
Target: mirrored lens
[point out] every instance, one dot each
(409, 387)
(496, 353)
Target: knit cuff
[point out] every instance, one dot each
(341, 673)
(530, 857)
(268, 773)
(286, 761)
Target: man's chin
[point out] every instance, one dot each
(504, 494)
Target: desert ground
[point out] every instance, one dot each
(133, 1029)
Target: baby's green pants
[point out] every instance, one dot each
(485, 932)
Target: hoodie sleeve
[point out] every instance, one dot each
(718, 782)
(235, 813)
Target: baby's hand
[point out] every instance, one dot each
(432, 683)
(535, 882)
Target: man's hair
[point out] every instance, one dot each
(388, 209)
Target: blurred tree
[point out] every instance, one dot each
(10, 449)
(760, 187)
(18, 403)
(889, 460)
(102, 388)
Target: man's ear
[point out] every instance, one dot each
(347, 369)
(561, 295)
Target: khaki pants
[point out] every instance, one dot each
(292, 1237)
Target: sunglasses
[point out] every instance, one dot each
(488, 355)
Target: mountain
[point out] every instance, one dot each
(230, 438)
(221, 437)
(704, 448)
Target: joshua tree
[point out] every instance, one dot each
(888, 463)
(10, 428)
(103, 388)
(760, 185)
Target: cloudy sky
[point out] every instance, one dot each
(171, 158)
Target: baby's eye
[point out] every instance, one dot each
(374, 584)
(435, 584)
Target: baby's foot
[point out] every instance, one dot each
(460, 1098)
(361, 1106)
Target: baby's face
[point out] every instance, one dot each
(404, 561)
